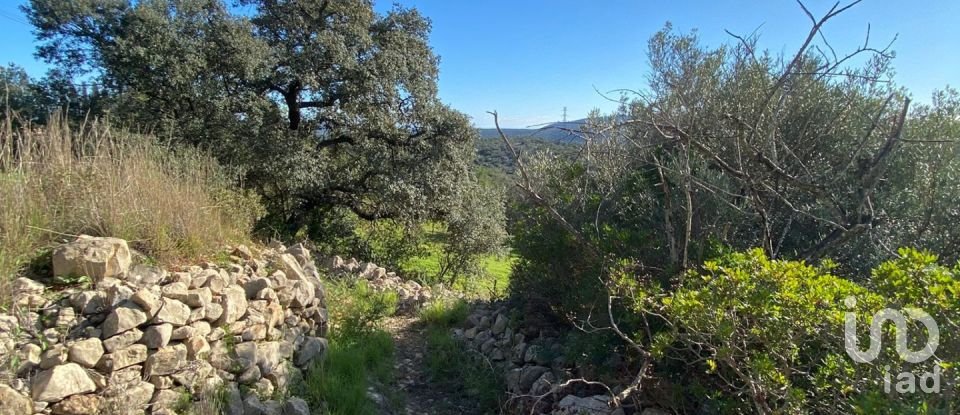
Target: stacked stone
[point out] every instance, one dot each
(532, 363)
(410, 294)
(141, 338)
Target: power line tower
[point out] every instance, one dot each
(564, 114)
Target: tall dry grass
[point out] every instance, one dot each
(172, 204)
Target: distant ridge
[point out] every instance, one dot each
(558, 131)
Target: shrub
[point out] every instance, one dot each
(171, 203)
(767, 336)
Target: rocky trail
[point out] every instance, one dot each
(419, 394)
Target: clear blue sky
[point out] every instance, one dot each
(528, 59)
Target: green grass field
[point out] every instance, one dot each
(495, 275)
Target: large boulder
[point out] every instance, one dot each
(97, 258)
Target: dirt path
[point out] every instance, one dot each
(412, 381)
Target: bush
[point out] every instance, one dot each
(171, 203)
(767, 336)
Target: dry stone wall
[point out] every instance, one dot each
(411, 295)
(138, 339)
(533, 365)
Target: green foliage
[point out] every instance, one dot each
(389, 242)
(358, 309)
(475, 228)
(367, 133)
(767, 336)
(487, 275)
(361, 354)
(442, 314)
(339, 383)
(733, 146)
(494, 156)
(551, 268)
(452, 367)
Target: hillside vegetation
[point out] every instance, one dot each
(718, 244)
(58, 181)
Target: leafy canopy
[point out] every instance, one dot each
(323, 103)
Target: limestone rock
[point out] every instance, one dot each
(54, 356)
(173, 312)
(234, 303)
(311, 349)
(591, 405)
(158, 336)
(212, 312)
(145, 275)
(255, 285)
(13, 402)
(289, 265)
(253, 406)
(303, 294)
(86, 352)
(243, 252)
(97, 258)
(543, 385)
(296, 406)
(197, 347)
(60, 382)
(131, 398)
(25, 286)
(529, 375)
(123, 318)
(78, 405)
(250, 376)
(122, 340)
(89, 302)
(148, 300)
(129, 356)
(165, 399)
(234, 402)
(268, 357)
(165, 361)
(499, 325)
(182, 333)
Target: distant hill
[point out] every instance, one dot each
(559, 131)
(493, 154)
